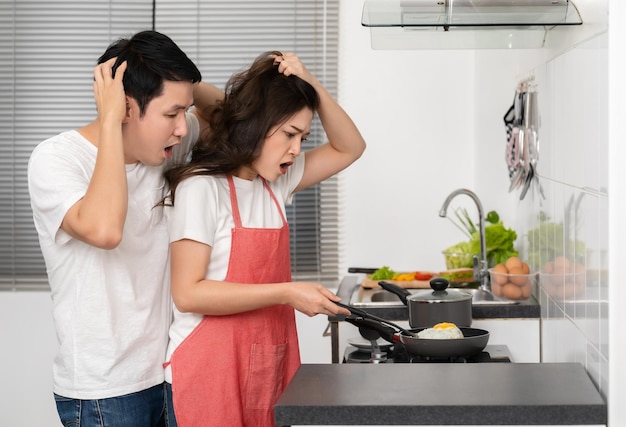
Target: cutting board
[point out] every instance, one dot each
(420, 284)
(407, 284)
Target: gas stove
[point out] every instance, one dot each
(391, 354)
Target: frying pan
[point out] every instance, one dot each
(474, 340)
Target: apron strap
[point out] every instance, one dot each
(235, 205)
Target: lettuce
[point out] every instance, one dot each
(499, 240)
(383, 273)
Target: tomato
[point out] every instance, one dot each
(423, 276)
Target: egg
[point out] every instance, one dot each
(512, 274)
(562, 265)
(525, 268)
(496, 289)
(512, 291)
(513, 262)
(517, 276)
(526, 291)
(548, 267)
(444, 325)
(500, 271)
(443, 330)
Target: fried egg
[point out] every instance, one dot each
(443, 330)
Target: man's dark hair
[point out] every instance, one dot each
(151, 58)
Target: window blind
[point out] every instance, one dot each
(222, 37)
(49, 48)
(47, 52)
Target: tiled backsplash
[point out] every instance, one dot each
(568, 229)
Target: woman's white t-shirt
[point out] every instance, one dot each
(202, 212)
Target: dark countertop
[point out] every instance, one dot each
(441, 394)
(524, 309)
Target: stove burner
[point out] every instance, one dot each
(495, 353)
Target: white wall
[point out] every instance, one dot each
(430, 129)
(416, 112)
(617, 207)
(28, 346)
(571, 71)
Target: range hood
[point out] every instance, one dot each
(458, 24)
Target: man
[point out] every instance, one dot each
(95, 196)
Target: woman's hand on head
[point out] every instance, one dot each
(109, 92)
(289, 64)
(313, 298)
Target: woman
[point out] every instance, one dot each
(233, 343)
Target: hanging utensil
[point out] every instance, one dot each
(527, 182)
(533, 143)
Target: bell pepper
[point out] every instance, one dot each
(404, 277)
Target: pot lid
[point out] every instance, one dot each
(440, 293)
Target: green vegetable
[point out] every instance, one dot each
(463, 221)
(459, 255)
(383, 273)
(547, 242)
(454, 276)
(499, 240)
(466, 225)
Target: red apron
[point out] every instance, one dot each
(231, 370)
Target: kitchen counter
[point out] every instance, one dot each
(523, 309)
(441, 394)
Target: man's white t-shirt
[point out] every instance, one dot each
(111, 308)
(202, 212)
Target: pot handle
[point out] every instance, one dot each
(402, 293)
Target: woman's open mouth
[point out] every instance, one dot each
(284, 166)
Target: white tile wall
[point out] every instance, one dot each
(573, 99)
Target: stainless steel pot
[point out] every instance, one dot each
(440, 304)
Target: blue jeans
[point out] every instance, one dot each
(148, 408)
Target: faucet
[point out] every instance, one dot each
(481, 272)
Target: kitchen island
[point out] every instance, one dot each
(441, 394)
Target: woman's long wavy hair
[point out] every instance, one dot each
(256, 100)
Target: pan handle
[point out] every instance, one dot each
(362, 270)
(402, 293)
(386, 332)
(367, 315)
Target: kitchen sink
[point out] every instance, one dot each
(364, 297)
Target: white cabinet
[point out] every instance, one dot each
(314, 346)
(521, 336)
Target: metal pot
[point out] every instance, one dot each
(441, 304)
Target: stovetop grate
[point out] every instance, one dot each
(491, 354)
